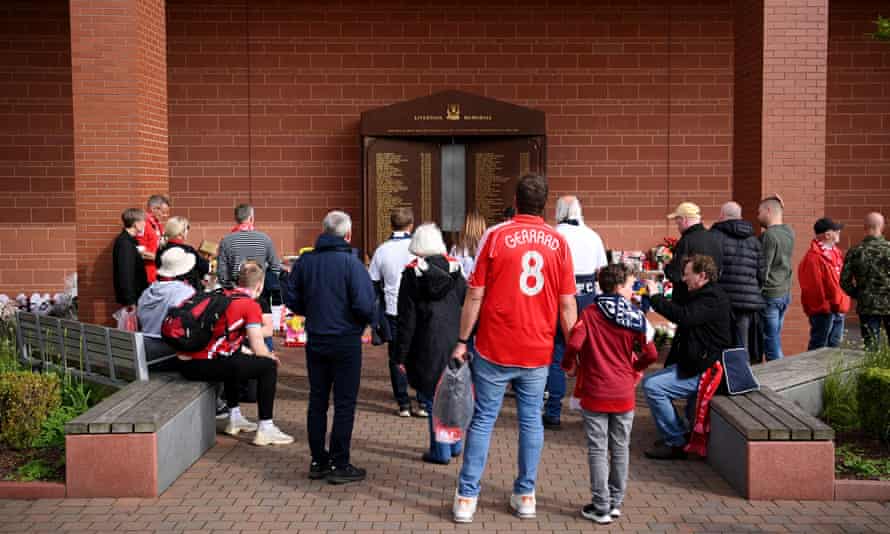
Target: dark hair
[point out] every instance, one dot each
(531, 194)
(155, 201)
(509, 213)
(401, 218)
(243, 212)
(131, 216)
(613, 275)
(702, 264)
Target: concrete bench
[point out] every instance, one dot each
(767, 447)
(139, 440)
(98, 353)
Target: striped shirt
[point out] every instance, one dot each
(238, 247)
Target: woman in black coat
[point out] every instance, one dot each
(430, 298)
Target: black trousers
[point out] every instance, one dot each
(332, 363)
(233, 370)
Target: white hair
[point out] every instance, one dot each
(337, 223)
(568, 208)
(427, 241)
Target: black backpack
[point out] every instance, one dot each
(189, 327)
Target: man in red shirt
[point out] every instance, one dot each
(823, 300)
(609, 348)
(150, 240)
(225, 360)
(522, 279)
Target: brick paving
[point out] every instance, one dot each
(236, 487)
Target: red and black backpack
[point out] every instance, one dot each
(189, 326)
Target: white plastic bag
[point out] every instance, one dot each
(126, 319)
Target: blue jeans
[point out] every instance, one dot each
(442, 452)
(662, 386)
(490, 381)
(773, 317)
(556, 382)
(826, 330)
(398, 380)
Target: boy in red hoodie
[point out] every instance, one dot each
(823, 300)
(608, 349)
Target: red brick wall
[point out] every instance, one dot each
(36, 160)
(118, 52)
(748, 106)
(858, 137)
(620, 84)
(794, 119)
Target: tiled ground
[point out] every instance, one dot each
(240, 488)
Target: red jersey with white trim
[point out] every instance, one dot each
(151, 240)
(242, 313)
(524, 266)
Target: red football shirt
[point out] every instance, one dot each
(243, 313)
(151, 240)
(524, 266)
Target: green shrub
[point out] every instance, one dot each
(26, 400)
(874, 402)
(840, 400)
(35, 470)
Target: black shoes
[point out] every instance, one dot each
(346, 474)
(430, 459)
(551, 423)
(664, 452)
(318, 470)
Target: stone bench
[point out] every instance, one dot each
(767, 447)
(139, 440)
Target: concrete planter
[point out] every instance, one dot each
(32, 490)
(862, 490)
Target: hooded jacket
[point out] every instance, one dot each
(695, 240)
(157, 300)
(704, 328)
(331, 288)
(609, 355)
(743, 264)
(430, 298)
(819, 273)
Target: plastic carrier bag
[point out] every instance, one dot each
(453, 403)
(126, 319)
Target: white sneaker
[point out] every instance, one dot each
(404, 412)
(589, 512)
(420, 412)
(239, 424)
(464, 508)
(272, 436)
(523, 506)
(615, 513)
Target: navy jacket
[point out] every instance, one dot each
(743, 264)
(331, 288)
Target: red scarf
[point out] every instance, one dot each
(243, 227)
(707, 387)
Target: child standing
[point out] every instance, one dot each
(608, 349)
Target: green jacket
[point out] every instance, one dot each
(866, 276)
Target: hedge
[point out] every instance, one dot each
(26, 400)
(874, 402)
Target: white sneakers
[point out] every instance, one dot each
(589, 512)
(464, 508)
(271, 435)
(237, 425)
(523, 506)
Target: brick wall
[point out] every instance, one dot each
(858, 137)
(638, 97)
(748, 107)
(36, 161)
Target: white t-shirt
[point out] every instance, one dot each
(387, 265)
(588, 252)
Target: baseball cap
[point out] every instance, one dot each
(825, 224)
(685, 209)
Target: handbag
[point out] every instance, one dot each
(737, 371)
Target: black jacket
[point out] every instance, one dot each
(429, 319)
(130, 279)
(330, 287)
(193, 277)
(741, 275)
(704, 328)
(695, 240)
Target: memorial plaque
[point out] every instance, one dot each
(493, 167)
(398, 173)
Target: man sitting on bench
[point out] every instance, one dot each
(223, 361)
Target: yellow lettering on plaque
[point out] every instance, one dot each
(489, 185)
(426, 186)
(524, 163)
(389, 185)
